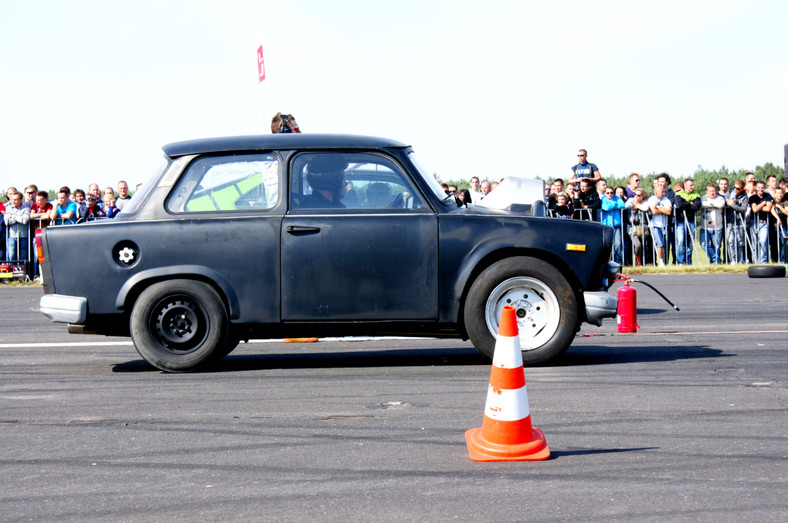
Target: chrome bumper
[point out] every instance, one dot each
(64, 309)
(599, 305)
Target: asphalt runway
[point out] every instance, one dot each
(685, 421)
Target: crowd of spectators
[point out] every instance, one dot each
(25, 212)
(729, 221)
(741, 222)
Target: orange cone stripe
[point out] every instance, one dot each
(501, 378)
(506, 432)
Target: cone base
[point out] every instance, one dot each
(482, 450)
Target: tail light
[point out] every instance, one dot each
(40, 245)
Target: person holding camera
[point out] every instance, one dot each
(284, 123)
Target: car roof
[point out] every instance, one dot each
(278, 141)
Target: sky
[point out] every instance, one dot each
(91, 90)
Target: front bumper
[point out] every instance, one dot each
(599, 305)
(64, 309)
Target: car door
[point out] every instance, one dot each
(369, 252)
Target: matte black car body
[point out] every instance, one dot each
(285, 271)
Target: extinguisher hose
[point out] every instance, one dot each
(655, 290)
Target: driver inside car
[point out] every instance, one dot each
(325, 175)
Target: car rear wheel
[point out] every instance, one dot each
(179, 325)
(544, 302)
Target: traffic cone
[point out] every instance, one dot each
(506, 433)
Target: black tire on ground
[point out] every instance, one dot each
(179, 325)
(546, 306)
(766, 271)
(230, 345)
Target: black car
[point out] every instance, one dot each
(298, 235)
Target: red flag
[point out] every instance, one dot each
(260, 64)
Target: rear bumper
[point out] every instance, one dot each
(64, 309)
(599, 305)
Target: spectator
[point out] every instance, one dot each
(771, 184)
(94, 189)
(563, 206)
(638, 232)
(584, 170)
(724, 189)
(621, 192)
(17, 219)
(761, 208)
(485, 188)
(31, 191)
(780, 213)
(612, 215)
(9, 193)
(686, 203)
(601, 185)
(41, 210)
(586, 201)
(81, 201)
(474, 192)
(735, 211)
(92, 210)
(109, 206)
(2, 232)
(452, 190)
(124, 197)
(661, 208)
(711, 222)
(495, 184)
(556, 188)
(749, 183)
(284, 123)
(634, 183)
(670, 238)
(463, 198)
(64, 212)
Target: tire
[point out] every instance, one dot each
(766, 271)
(179, 325)
(546, 306)
(230, 345)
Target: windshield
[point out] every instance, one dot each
(431, 177)
(141, 194)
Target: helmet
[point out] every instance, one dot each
(326, 172)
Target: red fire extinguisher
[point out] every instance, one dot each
(627, 317)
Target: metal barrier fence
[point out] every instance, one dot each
(18, 253)
(744, 239)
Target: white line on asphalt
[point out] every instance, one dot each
(128, 343)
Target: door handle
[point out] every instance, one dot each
(301, 229)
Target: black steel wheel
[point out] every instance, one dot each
(545, 305)
(179, 325)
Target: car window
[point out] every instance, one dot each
(350, 181)
(141, 194)
(227, 183)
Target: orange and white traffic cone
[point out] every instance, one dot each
(506, 433)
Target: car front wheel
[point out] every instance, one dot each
(544, 302)
(179, 325)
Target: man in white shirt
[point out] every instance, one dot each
(660, 207)
(711, 222)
